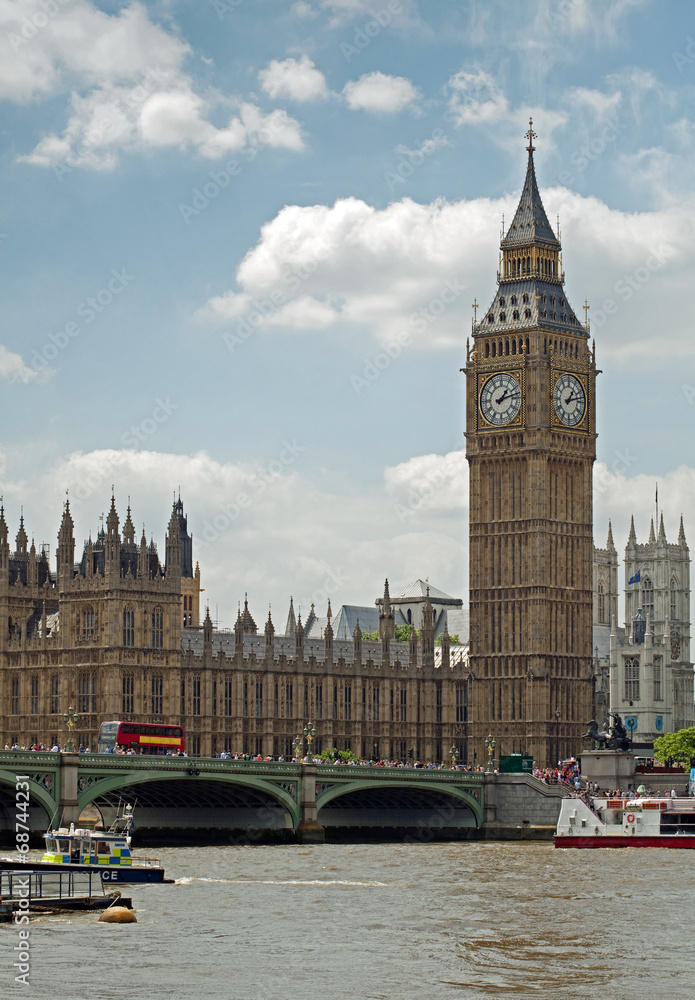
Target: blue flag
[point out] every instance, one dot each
(634, 579)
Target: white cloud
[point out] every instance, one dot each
(12, 368)
(380, 93)
(129, 90)
(296, 79)
(476, 98)
(594, 100)
(387, 270)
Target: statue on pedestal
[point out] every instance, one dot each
(615, 738)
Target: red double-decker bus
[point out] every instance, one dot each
(142, 737)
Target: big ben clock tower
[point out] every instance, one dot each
(530, 445)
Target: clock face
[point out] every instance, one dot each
(570, 400)
(500, 399)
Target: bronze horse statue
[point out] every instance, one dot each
(600, 737)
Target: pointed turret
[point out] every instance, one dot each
(299, 640)
(530, 292)
(173, 546)
(681, 534)
(207, 627)
(248, 625)
(112, 520)
(269, 641)
(387, 628)
(128, 529)
(632, 537)
(21, 539)
(143, 567)
(328, 634)
(652, 536)
(610, 545)
(530, 225)
(4, 547)
(65, 556)
(291, 620)
(662, 533)
(357, 642)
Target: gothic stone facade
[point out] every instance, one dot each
(530, 444)
(102, 635)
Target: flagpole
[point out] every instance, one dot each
(656, 500)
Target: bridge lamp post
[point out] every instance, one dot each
(454, 754)
(309, 733)
(490, 747)
(298, 746)
(557, 734)
(70, 719)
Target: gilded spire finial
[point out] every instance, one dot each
(530, 135)
(475, 308)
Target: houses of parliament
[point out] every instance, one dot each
(117, 633)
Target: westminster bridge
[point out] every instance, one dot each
(232, 799)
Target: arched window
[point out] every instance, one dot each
(157, 690)
(673, 613)
(157, 628)
(128, 626)
(601, 603)
(632, 679)
(88, 622)
(128, 688)
(87, 692)
(648, 597)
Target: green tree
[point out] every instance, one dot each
(453, 639)
(332, 752)
(680, 746)
(370, 636)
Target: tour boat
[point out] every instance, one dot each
(620, 822)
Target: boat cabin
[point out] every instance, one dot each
(86, 847)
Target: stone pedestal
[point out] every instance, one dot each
(309, 830)
(610, 769)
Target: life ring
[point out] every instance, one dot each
(630, 817)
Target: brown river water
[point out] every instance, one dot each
(383, 921)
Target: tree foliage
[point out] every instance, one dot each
(332, 752)
(679, 746)
(453, 639)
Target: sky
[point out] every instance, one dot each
(240, 241)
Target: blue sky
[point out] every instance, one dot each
(240, 243)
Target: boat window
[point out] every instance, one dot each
(63, 847)
(51, 845)
(85, 847)
(102, 847)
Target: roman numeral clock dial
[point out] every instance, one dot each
(569, 399)
(500, 399)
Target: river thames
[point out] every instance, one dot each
(382, 922)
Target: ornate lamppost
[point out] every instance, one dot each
(490, 747)
(71, 718)
(454, 754)
(309, 733)
(298, 745)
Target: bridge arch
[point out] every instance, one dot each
(178, 801)
(42, 805)
(422, 805)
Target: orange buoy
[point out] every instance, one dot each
(118, 915)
